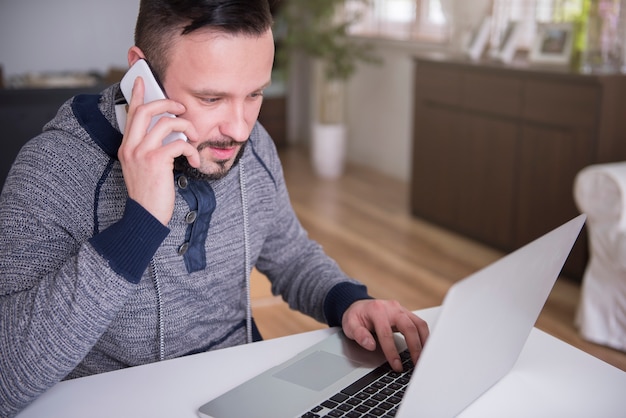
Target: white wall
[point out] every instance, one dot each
(380, 98)
(380, 111)
(60, 35)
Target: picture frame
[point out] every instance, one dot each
(510, 42)
(553, 44)
(478, 39)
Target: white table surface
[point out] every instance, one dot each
(550, 379)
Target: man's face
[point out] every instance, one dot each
(220, 79)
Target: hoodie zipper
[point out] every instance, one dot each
(246, 249)
(247, 271)
(161, 325)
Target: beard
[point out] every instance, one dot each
(182, 165)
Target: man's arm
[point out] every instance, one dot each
(59, 288)
(313, 283)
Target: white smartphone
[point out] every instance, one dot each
(153, 91)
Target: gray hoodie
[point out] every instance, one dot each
(91, 282)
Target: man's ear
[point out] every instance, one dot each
(134, 55)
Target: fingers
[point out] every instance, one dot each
(364, 319)
(137, 138)
(140, 117)
(397, 319)
(415, 331)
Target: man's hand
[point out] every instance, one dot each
(366, 318)
(146, 163)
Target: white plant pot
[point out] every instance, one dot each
(328, 149)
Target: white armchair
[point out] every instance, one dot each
(600, 192)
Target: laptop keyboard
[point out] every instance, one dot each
(377, 394)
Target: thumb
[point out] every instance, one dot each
(363, 337)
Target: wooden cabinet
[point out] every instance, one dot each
(496, 148)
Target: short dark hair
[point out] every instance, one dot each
(160, 20)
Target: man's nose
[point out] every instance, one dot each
(235, 124)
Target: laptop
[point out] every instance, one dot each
(475, 339)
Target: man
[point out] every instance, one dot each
(119, 251)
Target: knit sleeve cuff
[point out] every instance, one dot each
(340, 297)
(130, 243)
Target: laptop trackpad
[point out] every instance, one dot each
(317, 370)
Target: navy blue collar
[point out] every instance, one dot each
(88, 114)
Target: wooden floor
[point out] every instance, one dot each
(363, 221)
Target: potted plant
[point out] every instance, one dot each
(319, 29)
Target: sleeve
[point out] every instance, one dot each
(299, 269)
(59, 289)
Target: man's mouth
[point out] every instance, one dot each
(223, 152)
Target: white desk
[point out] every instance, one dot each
(551, 379)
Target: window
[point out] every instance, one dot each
(529, 13)
(399, 19)
(427, 19)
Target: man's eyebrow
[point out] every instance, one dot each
(209, 92)
(218, 93)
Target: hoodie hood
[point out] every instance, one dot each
(92, 117)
